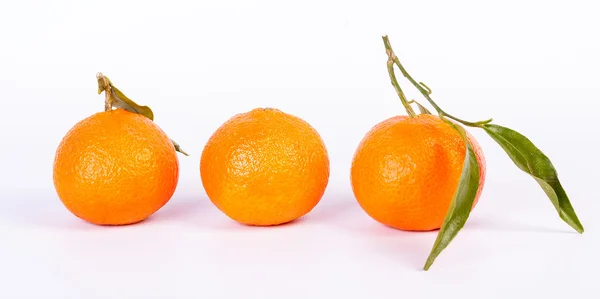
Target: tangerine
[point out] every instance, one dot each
(265, 167)
(406, 169)
(115, 168)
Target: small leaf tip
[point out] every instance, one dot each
(428, 264)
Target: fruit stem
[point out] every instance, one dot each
(390, 67)
(424, 89)
(104, 85)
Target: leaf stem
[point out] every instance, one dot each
(422, 108)
(423, 89)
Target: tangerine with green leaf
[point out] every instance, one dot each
(424, 172)
(116, 167)
(406, 169)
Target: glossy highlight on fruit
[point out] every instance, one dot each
(115, 168)
(265, 167)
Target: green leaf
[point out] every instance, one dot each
(178, 147)
(462, 202)
(117, 99)
(533, 161)
(125, 103)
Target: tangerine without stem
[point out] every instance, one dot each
(406, 169)
(265, 167)
(115, 168)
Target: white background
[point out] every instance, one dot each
(531, 65)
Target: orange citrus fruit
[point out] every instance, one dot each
(115, 168)
(265, 167)
(405, 171)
